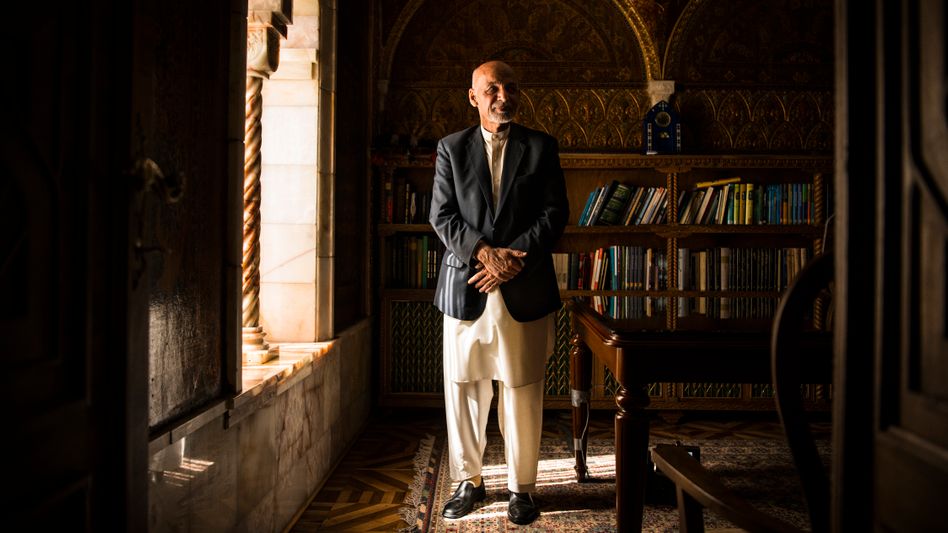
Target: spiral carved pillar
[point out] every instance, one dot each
(264, 29)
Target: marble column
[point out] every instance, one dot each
(266, 24)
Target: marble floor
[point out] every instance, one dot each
(369, 486)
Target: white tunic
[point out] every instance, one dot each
(495, 345)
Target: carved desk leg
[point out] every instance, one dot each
(631, 456)
(580, 377)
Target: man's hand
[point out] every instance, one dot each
(495, 266)
(483, 280)
(501, 263)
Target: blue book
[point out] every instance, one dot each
(589, 202)
(604, 196)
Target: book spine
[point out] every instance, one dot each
(601, 202)
(712, 183)
(584, 217)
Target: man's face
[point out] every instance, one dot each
(495, 94)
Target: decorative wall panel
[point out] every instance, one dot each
(417, 348)
(755, 121)
(750, 76)
(583, 119)
(608, 119)
(743, 43)
(550, 41)
(557, 366)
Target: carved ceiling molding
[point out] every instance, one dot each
(640, 20)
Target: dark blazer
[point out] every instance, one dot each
(531, 215)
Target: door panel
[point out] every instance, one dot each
(100, 86)
(73, 378)
(911, 440)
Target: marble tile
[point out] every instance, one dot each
(289, 135)
(169, 490)
(290, 70)
(257, 474)
(305, 8)
(304, 33)
(287, 253)
(291, 93)
(315, 397)
(257, 459)
(211, 454)
(288, 194)
(288, 311)
(293, 435)
(260, 518)
(319, 458)
(293, 484)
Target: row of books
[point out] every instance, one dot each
(639, 307)
(415, 261)
(402, 203)
(723, 201)
(728, 308)
(747, 203)
(613, 268)
(628, 307)
(739, 269)
(711, 269)
(618, 204)
(736, 269)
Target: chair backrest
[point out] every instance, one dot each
(791, 337)
(798, 352)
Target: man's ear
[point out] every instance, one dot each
(470, 97)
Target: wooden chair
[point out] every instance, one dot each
(697, 488)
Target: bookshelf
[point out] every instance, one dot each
(410, 327)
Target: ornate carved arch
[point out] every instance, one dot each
(634, 16)
(748, 42)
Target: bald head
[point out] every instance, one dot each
(495, 94)
(491, 68)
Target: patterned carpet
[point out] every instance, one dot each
(760, 470)
(369, 489)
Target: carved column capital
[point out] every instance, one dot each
(267, 22)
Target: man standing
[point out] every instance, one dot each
(499, 205)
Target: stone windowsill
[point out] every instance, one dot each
(260, 385)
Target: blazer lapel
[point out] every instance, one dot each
(512, 156)
(477, 161)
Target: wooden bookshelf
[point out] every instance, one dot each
(410, 327)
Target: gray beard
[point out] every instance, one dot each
(501, 118)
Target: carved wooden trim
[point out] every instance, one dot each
(653, 65)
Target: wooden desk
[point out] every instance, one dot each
(637, 357)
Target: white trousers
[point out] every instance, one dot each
(520, 416)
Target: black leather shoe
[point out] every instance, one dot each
(463, 500)
(522, 510)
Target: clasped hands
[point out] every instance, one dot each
(495, 266)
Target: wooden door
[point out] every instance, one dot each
(890, 469)
(75, 328)
(911, 431)
(109, 97)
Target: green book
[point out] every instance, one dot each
(614, 208)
